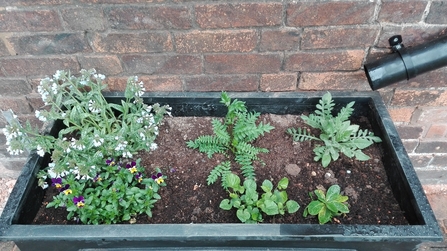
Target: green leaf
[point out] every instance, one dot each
(324, 215)
(359, 155)
(243, 215)
(315, 207)
(225, 204)
(270, 208)
(283, 183)
(326, 159)
(332, 193)
(267, 186)
(233, 180)
(292, 206)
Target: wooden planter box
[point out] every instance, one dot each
(26, 197)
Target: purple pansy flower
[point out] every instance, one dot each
(110, 162)
(56, 182)
(158, 178)
(132, 167)
(79, 201)
(139, 177)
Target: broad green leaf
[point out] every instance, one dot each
(320, 195)
(225, 204)
(359, 155)
(342, 198)
(250, 184)
(332, 193)
(324, 216)
(326, 159)
(243, 215)
(233, 180)
(267, 186)
(315, 207)
(292, 206)
(270, 208)
(283, 183)
(361, 143)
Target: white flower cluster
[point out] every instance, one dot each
(140, 89)
(93, 107)
(12, 133)
(40, 151)
(97, 141)
(40, 116)
(77, 145)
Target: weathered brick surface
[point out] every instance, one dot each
(104, 64)
(333, 81)
(84, 19)
(329, 13)
(162, 64)
(120, 1)
(431, 114)
(132, 42)
(351, 37)
(432, 146)
(242, 63)
(437, 131)
(401, 114)
(402, 12)
(324, 61)
(439, 160)
(410, 145)
(216, 41)
(22, 67)
(22, 21)
(14, 88)
(279, 82)
(33, 2)
(437, 14)
(149, 18)
(222, 83)
(238, 15)
(18, 105)
(420, 160)
(279, 39)
(411, 35)
(409, 132)
(151, 83)
(61, 43)
(419, 97)
(3, 49)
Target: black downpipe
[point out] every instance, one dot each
(406, 63)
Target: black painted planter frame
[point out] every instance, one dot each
(26, 196)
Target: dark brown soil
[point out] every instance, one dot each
(188, 199)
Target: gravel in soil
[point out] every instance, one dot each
(188, 199)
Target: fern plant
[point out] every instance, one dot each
(337, 133)
(233, 135)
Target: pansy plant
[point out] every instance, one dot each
(92, 156)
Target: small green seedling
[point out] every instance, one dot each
(337, 133)
(249, 206)
(234, 135)
(327, 205)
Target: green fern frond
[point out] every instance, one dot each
(248, 172)
(219, 171)
(345, 112)
(301, 135)
(208, 144)
(220, 130)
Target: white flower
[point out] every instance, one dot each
(140, 120)
(142, 136)
(44, 185)
(121, 146)
(58, 74)
(40, 116)
(14, 151)
(40, 151)
(97, 141)
(77, 145)
(93, 107)
(153, 147)
(100, 76)
(127, 154)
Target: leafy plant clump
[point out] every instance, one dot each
(92, 157)
(233, 135)
(250, 207)
(337, 133)
(327, 205)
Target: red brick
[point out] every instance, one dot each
(432, 146)
(411, 35)
(120, 1)
(33, 2)
(324, 61)
(39, 20)
(402, 12)
(329, 13)
(132, 42)
(242, 63)
(410, 145)
(439, 161)
(401, 114)
(84, 19)
(222, 83)
(14, 87)
(18, 105)
(279, 40)
(61, 43)
(24, 67)
(437, 14)
(420, 160)
(216, 41)
(419, 97)
(162, 64)
(432, 115)
(409, 132)
(151, 83)
(334, 81)
(436, 131)
(350, 37)
(149, 18)
(279, 82)
(35, 101)
(104, 64)
(3, 49)
(238, 15)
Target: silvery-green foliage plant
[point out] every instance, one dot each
(92, 162)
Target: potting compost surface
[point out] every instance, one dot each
(188, 199)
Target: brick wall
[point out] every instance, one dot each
(187, 45)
